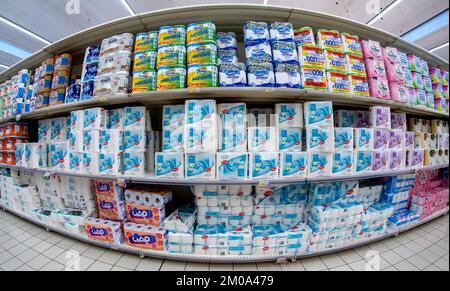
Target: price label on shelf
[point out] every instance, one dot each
(263, 184)
(347, 97)
(18, 117)
(268, 90)
(193, 91)
(122, 182)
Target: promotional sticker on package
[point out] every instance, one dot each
(310, 55)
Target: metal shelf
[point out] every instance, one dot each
(152, 180)
(221, 259)
(247, 94)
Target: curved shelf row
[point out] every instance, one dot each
(223, 259)
(151, 180)
(250, 95)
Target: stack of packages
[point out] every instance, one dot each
(43, 77)
(376, 70)
(439, 79)
(171, 59)
(429, 194)
(18, 196)
(180, 225)
(19, 91)
(374, 221)
(202, 55)
(380, 119)
(50, 192)
(357, 75)
(172, 139)
(13, 140)
(395, 75)
(231, 72)
(408, 81)
(396, 191)
(84, 89)
(146, 211)
(61, 79)
(144, 67)
(420, 96)
(114, 65)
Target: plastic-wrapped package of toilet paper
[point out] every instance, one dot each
(314, 78)
(260, 75)
(397, 160)
(95, 118)
(345, 118)
(304, 36)
(145, 236)
(110, 189)
(381, 162)
(111, 209)
(343, 163)
(104, 230)
(76, 162)
(135, 118)
(293, 164)
(381, 139)
(110, 163)
(335, 61)
(200, 132)
(256, 32)
(91, 163)
(398, 121)
(320, 164)
(76, 140)
(362, 119)
(288, 76)
(363, 162)
(180, 243)
(351, 44)
(318, 114)
(281, 31)
(232, 166)
(409, 140)
(329, 39)
(343, 138)
(116, 119)
(320, 139)
(338, 82)
(226, 40)
(260, 117)
(59, 156)
(264, 165)
(311, 55)
(44, 132)
(396, 139)
(284, 52)
(200, 166)
(182, 220)
(290, 139)
(289, 115)
(37, 156)
(232, 127)
(258, 52)
(58, 130)
(379, 88)
(232, 74)
(134, 163)
(91, 141)
(380, 117)
(169, 165)
(372, 49)
(415, 158)
(262, 139)
(134, 140)
(111, 140)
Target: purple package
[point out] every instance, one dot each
(396, 139)
(398, 121)
(362, 119)
(409, 140)
(415, 159)
(381, 139)
(380, 117)
(397, 160)
(381, 161)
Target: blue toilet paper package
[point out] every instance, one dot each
(293, 164)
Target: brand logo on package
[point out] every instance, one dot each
(104, 187)
(98, 232)
(142, 239)
(140, 213)
(107, 205)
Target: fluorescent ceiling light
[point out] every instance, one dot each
(13, 50)
(265, 2)
(26, 31)
(128, 7)
(439, 47)
(3, 66)
(434, 24)
(384, 12)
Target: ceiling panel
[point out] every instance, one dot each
(434, 39)
(443, 53)
(7, 59)
(409, 14)
(142, 6)
(19, 39)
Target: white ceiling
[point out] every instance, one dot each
(49, 20)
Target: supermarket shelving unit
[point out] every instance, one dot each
(227, 18)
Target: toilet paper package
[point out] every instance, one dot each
(147, 215)
(37, 155)
(345, 118)
(320, 139)
(290, 139)
(398, 121)
(381, 162)
(289, 115)
(362, 119)
(135, 118)
(256, 32)
(232, 166)
(335, 61)
(260, 75)
(181, 220)
(396, 139)
(258, 52)
(111, 140)
(59, 158)
(226, 40)
(76, 120)
(363, 162)
(232, 127)
(232, 74)
(76, 162)
(95, 118)
(58, 129)
(111, 209)
(200, 133)
(343, 163)
(311, 55)
(380, 117)
(173, 115)
(200, 166)
(379, 88)
(110, 164)
(381, 139)
(288, 76)
(338, 82)
(284, 52)
(116, 119)
(343, 138)
(262, 139)
(372, 49)
(91, 163)
(415, 63)
(44, 132)
(293, 165)
(314, 78)
(397, 160)
(320, 164)
(261, 117)
(104, 230)
(91, 141)
(200, 139)
(329, 39)
(409, 140)
(134, 140)
(173, 138)
(134, 163)
(318, 114)
(281, 31)
(264, 165)
(395, 73)
(145, 236)
(169, 165)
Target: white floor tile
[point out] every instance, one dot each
(11, 265)
(332, 261)
(194, 267)
(128, 261)
(268, 267)
(53, 252)
(52, 266)
(405, 266)
(38, 262)
(110, 257)
(149, 264)
(175, 266)
(360, 265)
(294, 266)
(350, 256)
(392, 257)
(241, 267)
(99, 267)
(42, 246)
(404, 252)
(344, 268)
(419, 262)
(314, 264)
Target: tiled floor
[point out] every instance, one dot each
(25, 246)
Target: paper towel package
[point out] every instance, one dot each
(397, 160)
(95, 118)
(76, 162)
(58, 129)
(91, 141)
(232, 166)
(169, 165)
(59, 156)
(363, 162)
(380, 117)
(381, 162)
(173, 139)
(343, 163)
(200, 166)
(345, 118)
(134, 140)
(290, 139)
(181, 220)
(264, 165)
(230, 112)
(320, 139)
(262, 139)
(116, 119)
(396, 139)
(289, 115)
(415, 159)
(44, 132)
(293, 165)
(381, 139)
(111, 209)
(135, 118)
(110, 163)
(76, 120)
(91, 163)
(343, 138)
(104, 230)
(134, 163)
(76, 141)
(320, 164)
(145, 237)
(318, 114)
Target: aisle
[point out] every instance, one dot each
(24, 246)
